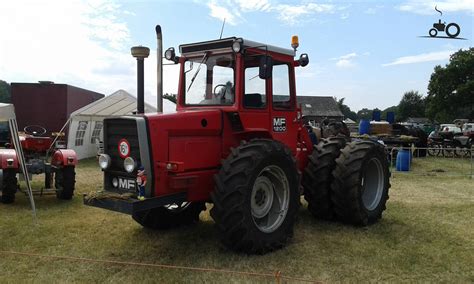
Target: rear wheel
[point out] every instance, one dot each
(361, 183)
(317, 177)
(65, 179)
(9, 186)
(170, 216)
(256, 197)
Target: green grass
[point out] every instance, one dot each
(426, 234)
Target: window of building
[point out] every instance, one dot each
(254, 96)
(281, 87)
(80, 133)
(96, 132)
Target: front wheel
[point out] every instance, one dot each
(433, 32)
(9, 186)
(256, 197)
(170, 216)
(65, 179)
(361, 183)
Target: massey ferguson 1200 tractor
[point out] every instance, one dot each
(237, 141)
(36, 148)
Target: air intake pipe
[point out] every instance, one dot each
(140, 53)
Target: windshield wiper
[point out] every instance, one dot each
(203, 60)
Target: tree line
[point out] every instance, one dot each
(450, 94)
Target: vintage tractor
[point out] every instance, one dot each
(237, 141)
(36, 148)
(442, 27)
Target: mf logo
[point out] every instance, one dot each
(126, 183)
(279, 124)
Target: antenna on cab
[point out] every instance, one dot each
(222, 29)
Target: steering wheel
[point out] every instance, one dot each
(219, 85)
(35, 130)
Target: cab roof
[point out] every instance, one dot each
(226, 43)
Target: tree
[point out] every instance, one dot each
(5, 92)
(346, 110)
(451, 88)
(170, 97)
(411, 105)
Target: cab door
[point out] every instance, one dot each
(283, 115)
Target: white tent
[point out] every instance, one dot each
(7, 113)
(85, 128)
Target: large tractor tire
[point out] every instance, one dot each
(361, 182)
(65, 179)
(256, 197)
(317, 177)
(9, 186)
(170, 216)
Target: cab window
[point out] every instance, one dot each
(281, 98)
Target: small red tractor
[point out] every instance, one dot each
(36, 148)
(237, 141)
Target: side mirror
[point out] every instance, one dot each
(266, 67)
(304, 59)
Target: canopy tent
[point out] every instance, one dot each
(7, 113)
(86, 123)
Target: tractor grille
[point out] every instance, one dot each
(115, 130)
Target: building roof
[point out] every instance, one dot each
(319, 106)
(119, 103)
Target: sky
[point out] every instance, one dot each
(368, 52)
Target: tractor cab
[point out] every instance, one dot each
(252, 82)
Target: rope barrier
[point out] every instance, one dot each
(277, 275)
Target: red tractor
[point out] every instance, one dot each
(237, 141)
(36, 148)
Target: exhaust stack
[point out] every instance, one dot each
(140, 53)
(159, 71)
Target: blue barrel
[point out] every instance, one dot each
(391, 117)
(364, 126)
(376, 115)
(403, 160)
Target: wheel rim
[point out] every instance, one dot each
(372, 184)
(270, 198)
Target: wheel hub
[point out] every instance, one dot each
(262, 197)
(270, 199)
(372, 184)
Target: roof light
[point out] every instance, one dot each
(237, 45)
(294, 42)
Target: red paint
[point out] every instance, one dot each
(64, 157)
(6, 154)
(197, 150)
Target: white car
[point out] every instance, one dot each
(449, 128)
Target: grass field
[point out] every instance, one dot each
(426, 234)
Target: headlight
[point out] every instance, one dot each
(104, 161)
(237, 45)
(170, 54)
(129, 164)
